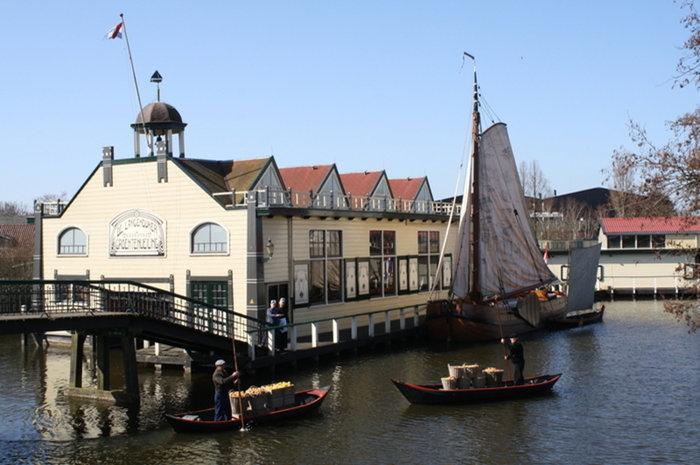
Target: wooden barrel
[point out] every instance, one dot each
(236, 404)
(449, 383)
(453, 370)
(473, 371)
(493, 376)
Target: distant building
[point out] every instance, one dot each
(16, 249)
(645, 255)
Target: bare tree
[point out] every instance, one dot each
(671, 170)
(689, 65)
(535, 183)
(13, 209)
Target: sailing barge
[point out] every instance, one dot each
(500, 280)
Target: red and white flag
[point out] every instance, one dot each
(116, 31)
(546, 256)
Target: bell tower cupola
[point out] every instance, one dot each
(159, 120)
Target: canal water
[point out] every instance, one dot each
(630, 394)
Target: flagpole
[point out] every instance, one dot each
(136, 84)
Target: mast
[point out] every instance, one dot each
(474, 286)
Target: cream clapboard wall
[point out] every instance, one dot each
(638, 270)
(180, 202)
(355, 244)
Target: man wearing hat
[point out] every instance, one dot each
(221, 388)
(516, 357)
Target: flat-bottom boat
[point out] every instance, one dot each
(576, 319)
(434, 394)
(202, 421)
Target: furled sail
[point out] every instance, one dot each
(509, 257)
(460, 281)
(583, 271)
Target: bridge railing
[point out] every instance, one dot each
(49, 298)
(337, 330)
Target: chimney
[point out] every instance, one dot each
(107, 159)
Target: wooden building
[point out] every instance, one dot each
(641, 255)
(237, 233)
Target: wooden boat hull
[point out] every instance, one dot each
(476, 323)
(434, 394)
(306, 402)
(576, 321)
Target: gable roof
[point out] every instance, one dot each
(305, 178)
(406, 188)
(226, 175)
(651, 225)
(19, 234)
(361, 184)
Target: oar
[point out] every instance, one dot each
(238, 381)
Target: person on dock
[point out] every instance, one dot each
(277, 316)
(222, 381)
(283, 315)
(517, 358)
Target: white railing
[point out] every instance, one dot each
(336, 330)
(267, 197)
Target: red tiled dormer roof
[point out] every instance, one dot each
(19, 234)
(406, 188)
(305, 178)
(651, 225)
(360, 184)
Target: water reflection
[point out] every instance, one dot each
(627, 396)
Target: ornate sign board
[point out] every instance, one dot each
(301, 284)
(135, 233)
(350, 280)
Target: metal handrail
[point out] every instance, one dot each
(48, 297)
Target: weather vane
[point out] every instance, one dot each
(157, 78)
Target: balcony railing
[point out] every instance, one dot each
(275, 198)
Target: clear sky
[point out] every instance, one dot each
(365, 84)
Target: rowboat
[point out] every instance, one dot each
(202, 421)
(578, 319)
(434, 394)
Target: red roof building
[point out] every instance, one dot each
(361, 184)
(305, 178)
(651, 225)
(16, 235)
(407, 188)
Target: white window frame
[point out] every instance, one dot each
(190, 241)
(58, 243)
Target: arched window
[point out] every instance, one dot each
(72, 241)
(209, 238)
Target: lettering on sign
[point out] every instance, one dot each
(136, 233)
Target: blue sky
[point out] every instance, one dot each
(365, 84)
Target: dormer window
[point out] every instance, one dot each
(209, 238)
(72, 241)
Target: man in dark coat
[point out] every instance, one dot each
(516, 357)
(222, 382)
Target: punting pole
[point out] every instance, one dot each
(238, 381)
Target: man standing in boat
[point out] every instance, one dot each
(516, 357)
(222, 382)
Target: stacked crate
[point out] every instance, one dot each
(260, 400)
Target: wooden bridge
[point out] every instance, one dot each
(119, 312)
(122, 311)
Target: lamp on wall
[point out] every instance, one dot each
(270, 249)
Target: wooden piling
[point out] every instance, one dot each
(102, 359)
(77, 346)
(131, 379)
